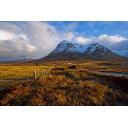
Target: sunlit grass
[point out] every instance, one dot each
(62, 84)
(10, 72)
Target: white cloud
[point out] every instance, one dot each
(9, 27)
(111, 39)
(104, 39)
(43, 36)
(13, 43)
(83, 40)
(27, 38)
(16, 47)
(23, 37)
(40, 38)
(5, 35)
(22, 47)
(68, 36)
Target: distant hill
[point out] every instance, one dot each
(21, 60)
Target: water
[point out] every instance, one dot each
(113, 74)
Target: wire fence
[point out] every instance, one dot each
(33, 75)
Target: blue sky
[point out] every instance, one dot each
(38, 38)
(94, 28)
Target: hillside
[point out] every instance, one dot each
(67, 50)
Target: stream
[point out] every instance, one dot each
(119, 74)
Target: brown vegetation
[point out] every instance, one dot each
(69, 85)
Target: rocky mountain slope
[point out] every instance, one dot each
(67, 50)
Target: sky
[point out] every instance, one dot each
(20, 39)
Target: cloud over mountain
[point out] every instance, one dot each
(26, 39)
(38, 39)
(101, 38)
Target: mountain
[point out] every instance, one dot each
(121, 52)
(67, 50)
(18, 60)
(120, 48)
(25, 59)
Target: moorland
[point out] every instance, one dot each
(64, 83)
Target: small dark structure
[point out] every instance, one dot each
(59, 68)
(72, 67)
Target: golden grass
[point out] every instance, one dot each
(63, 84)
(24, 71)
(61, 91)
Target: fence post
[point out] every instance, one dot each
(35, 75)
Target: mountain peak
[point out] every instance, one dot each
(67, 50)
(65, 41)
(97, 47)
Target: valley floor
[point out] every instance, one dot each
(64, 83)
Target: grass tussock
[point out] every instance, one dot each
(61, 91)
(62, 84)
